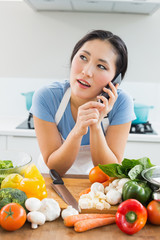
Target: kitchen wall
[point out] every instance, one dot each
(35, 48)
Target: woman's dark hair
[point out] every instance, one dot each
(115, 41)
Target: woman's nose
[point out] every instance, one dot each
(88, 70)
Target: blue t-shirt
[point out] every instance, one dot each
(47, 99)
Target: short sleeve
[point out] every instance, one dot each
(43, 105)
(123, 109)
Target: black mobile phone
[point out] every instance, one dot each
(115, 80)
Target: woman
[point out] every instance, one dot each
(76, 127)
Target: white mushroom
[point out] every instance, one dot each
(36, 218)
(122, 182)
(68, 212)
(113, 197)
(109, 187)
(50, 208)
(32, 204)
(119, 190)
(115, 182)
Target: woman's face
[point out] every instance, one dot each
(92, 68)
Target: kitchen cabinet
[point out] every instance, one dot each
(3, 142)
(138, 149)
(26, 144)
(18, 139)
(111, 6)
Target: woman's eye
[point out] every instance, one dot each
(102, 67)
(83, 57)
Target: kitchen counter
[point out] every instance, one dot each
(8, 128)
(57, 230)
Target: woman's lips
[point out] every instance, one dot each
(83, 84)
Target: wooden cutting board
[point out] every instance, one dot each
(75, 186)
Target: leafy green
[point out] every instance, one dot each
(4, 164)
(145, 162)
(113, 170)
(134, 173)
(130, 168)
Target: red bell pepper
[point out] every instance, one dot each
(131, 216)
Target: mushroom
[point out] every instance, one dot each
(32, 204)
(36, 218)
(50, 208)
(69, 211)
(122, 182)
(115, 182)
(113, 197)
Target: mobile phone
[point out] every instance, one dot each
(115, 80)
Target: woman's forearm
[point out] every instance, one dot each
(63, 158)
(100, 151)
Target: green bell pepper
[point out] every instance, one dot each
(136, 189)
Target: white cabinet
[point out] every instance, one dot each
(26, 144)
(3, 142)
(138, 149)
(116, 6)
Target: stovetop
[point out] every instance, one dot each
(141, 128)
(27, 124)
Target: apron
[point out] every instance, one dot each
(83, 163)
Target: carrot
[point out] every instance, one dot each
(105, 184)
(69, 221)
(84, 225)
(85, 191)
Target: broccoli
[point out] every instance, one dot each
(4, 202)
(8, 195)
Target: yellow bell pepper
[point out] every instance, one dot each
(33, 183)
(12, 181)
(33, 187)
(32, 171)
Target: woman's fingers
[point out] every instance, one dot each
(92, 104)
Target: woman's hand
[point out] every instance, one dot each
(108, 102)
(88, 114)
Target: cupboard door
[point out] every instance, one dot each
(135, 150)
(3, 142)
(26, 144)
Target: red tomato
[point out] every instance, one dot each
(153, 210)
(12, 216)
(97, 175)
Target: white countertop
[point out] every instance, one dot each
(8, 128)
